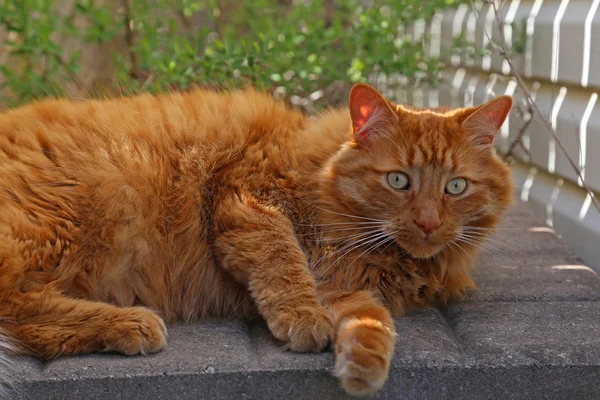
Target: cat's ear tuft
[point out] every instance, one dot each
(368, 111)
(485, 121)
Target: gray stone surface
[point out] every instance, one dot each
(528, 262)
(530, 331)
(541, 278)
(540, 333)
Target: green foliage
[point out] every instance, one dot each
(297, 46)
(30, 28)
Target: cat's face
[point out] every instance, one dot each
(430, 177)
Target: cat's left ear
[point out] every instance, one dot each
(370, 112)
(485, 121)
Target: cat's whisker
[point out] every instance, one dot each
(320, 233)
(491, 232)
(345, 239)
(341, 253)
(384, 237)
(490, 238)
(372, 248)
(492, 229)
(372, 239)
(350, 248)
(480, 246)
(350, 216)
(348, 223)
(345, 247)
(452, 243)
(477, 245)
(402, 251)
(481, 241)
(452, 246)
(483, 233)
(500, 236)
(476, 235)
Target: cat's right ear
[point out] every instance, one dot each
(370, 113)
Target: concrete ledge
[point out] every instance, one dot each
(571, 213)
(530, 331)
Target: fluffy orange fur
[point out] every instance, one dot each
(227, 205)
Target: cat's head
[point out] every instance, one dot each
(431, 176)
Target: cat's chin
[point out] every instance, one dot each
(423, 251)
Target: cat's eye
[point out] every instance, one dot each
(456, 186)
(398, 180)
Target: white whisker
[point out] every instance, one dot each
(350, 216)
(347, 223)
(478, 245)
(353, 246)
(320, 233)
(479, 236)
(498, 237)
(381, 240)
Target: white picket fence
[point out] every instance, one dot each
(556, 49)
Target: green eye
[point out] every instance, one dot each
(456, 186)
(398, 180)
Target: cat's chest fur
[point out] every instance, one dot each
(401, 282)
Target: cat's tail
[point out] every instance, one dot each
(6, 349)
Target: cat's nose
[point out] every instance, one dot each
(428, 225)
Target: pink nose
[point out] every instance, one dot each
(428, 226)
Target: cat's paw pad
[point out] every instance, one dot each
(363, 352)
(304, 329)
(135, 331)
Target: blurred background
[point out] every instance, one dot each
(546, 53)
(292, 47)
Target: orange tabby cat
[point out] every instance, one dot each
(221, 205)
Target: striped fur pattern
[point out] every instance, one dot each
(117, 216)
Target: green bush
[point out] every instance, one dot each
(296, 47)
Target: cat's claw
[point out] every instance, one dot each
(136, 330)
(304, 329)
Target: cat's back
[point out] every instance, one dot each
(145, 134)
(177, 119)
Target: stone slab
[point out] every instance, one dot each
(541, 278)
(529, 262)
(540, 333)
(494, 383)
(426, 340)
(523, 235)
(191, 349)
(271, 355)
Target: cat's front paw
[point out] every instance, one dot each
(363, 349)
(304, 329)
(135, 330)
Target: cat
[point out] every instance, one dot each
(209, 204)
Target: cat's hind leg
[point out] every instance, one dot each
(44, 286)
(47, 324)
